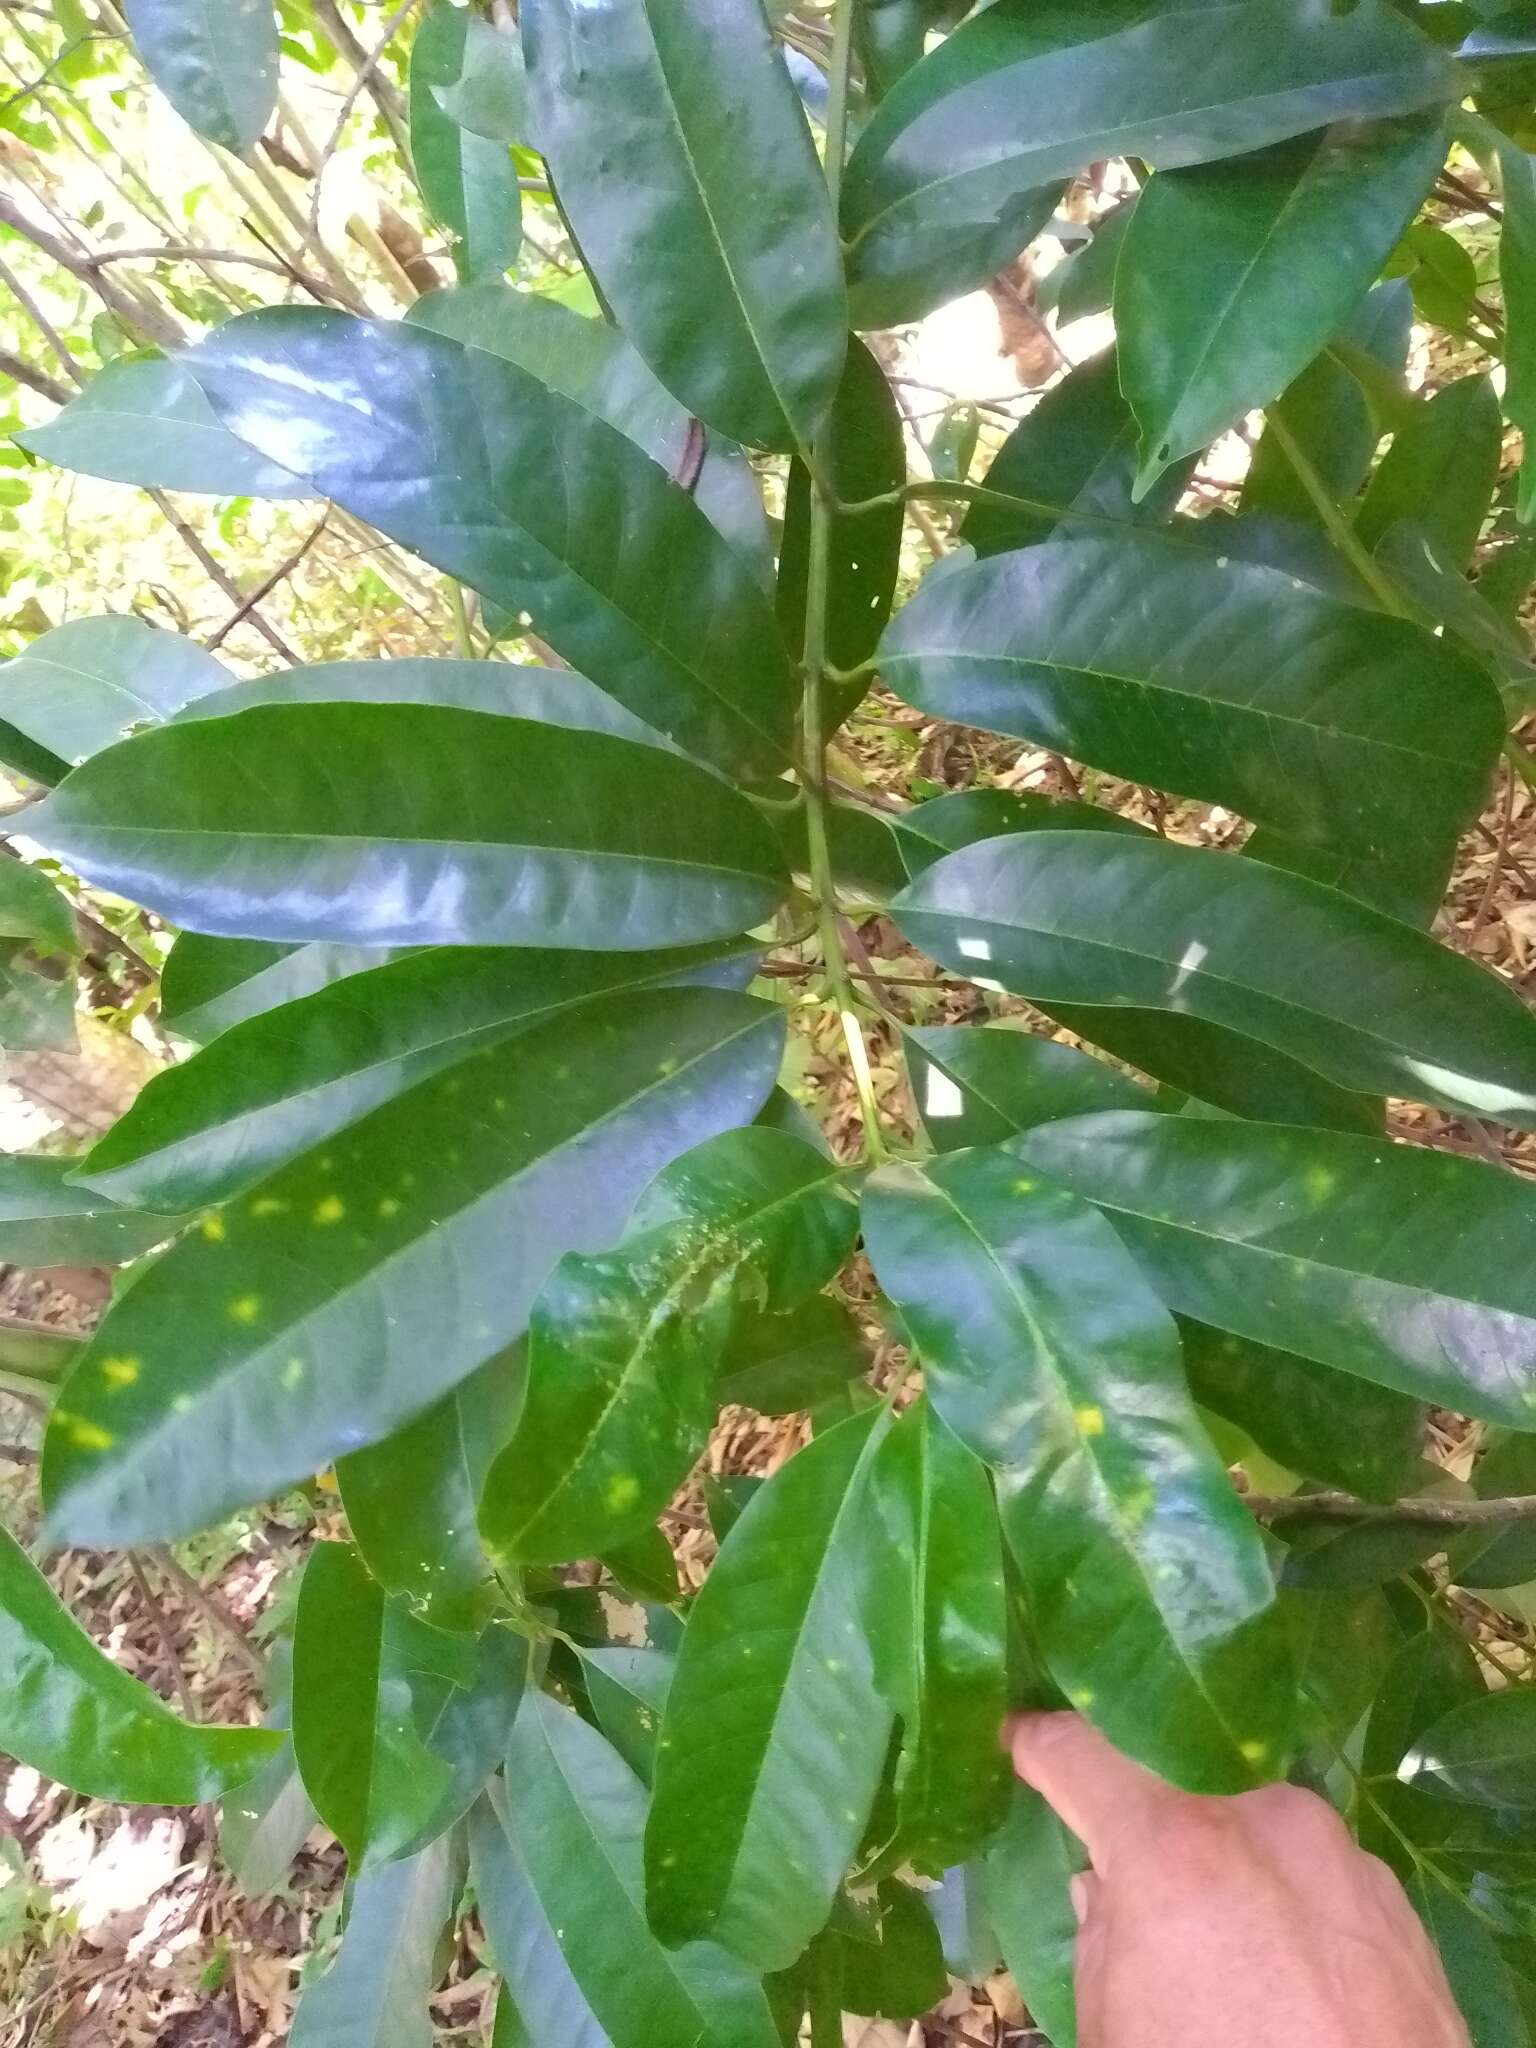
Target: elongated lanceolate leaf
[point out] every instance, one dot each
(1029, 1872)
(1369, 1004)
(468, 181)
(403, 824)
(86, 685)
(685, 94)
(210, 984)
(277, 1083)
(977, 1087)
(1048, 1354)
(538, 1988)
(1483, 1752)
(355, 1286)
(46, 1221)
(1439, 473)
(1222, 294)
(947, 157)
(215, 61)
(71, 1713)
(31, 908)
(1213, 677)
(454, 452)
(774, 1733)
(572, 1819)
(1407, 1267)
(375, 1992)
(141, 420)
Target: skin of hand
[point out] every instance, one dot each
(1246, 1922)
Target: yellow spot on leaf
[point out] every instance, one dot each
(1083, 1698)
(119, 1372)
(269, 1205)
(245, 1308)
(1320, 1182)
(621, 1492)
(1025, 1187)
(212, 1228)
(1089, 1420)
(292, 1373)
(330, 1210)
(90, 1436)
(181, 1404)
(1253, 1752)
(389, 1206)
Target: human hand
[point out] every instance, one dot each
(1249, 1922)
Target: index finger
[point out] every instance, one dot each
(1084, 1780)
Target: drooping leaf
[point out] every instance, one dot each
(539, 1988)
(592, 363)
(434, 443)
(865, 457)
(402, 824)
(937, 1512)
(944, 824)
(1517, 279)
(411, 1498)
(247, 1359)
(211, 984)
(1076, 449)
(70, 1712)
(1081, 918)
(895, 1969)
(775, 1685)
(1435, 1672)
(628, 1690)
(47, 1221)
(32, 908)
(468, 180)
(1480, 1979)
(1220, 296)
(1029, 1868)
(1215, 678)
(624, 1347)
(277, 1083)
(1404, 1266)
(489, 95)
(684, 94)
(1483, 1752)
(1500, 1556)
(940, 188)
(783, 1364)
(141, 420)
(215, 61)
(85, 685)
(573, 1819)
(263, 1824)
(1083, 284)
(1439, 472)
(375, 1992)
(977, 1087)
(1050, 1357)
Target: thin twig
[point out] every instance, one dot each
(34, 379)
(150, 321)
(280, 265)
(41, 322)
(150, 1600)
(265, 589)
(1485, 903)
(1343, 1507)
(221, 577)
(1480, 200)
(211, 1608)
(362, 79)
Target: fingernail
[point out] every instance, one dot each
(1080, 1891)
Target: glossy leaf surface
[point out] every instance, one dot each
(468, 180)
(575, 1820)
(448, 827)
(246, 1360)
(775, 1684)
(85, 685)
(1050, 1357)
(32, 908)
(628, 1690)
(47, 1221)
(977, 1087)
(781, 1364)
(215, 61)
(1483, 1752)
(375, 1993)
(432, 442)
(1077, 917)
(277, 1083)
(1210, 677)
(1439, 472)
(683, 92)
(1220, 300)
(73, 1714)
(1029, 1868)
(538, 1988)
(623, 1348)
(1404, 1266)
(210, 984)
(946, 160)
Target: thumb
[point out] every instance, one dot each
(1084, 1780)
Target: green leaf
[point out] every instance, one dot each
(215, 61)
(1214, 678)
(865, 457)
(1083, 284)
(251, 1357)
(431, 442)
(375, 1993)
(624, 1347)
(785, 1364)
(1221, 298)
(977, 1087)
(489, 93)
(1440, 472)
(83, 686)
(1435, 1672)
(1406, 1267)
(449, 827)
(1483, 1752)
(1076, 917)
(1343, 1432)
(628, 1691)
(896, 1969)
(592, 363)
(1048, 1354)
(946, 163)
(37, 1013)
(775, 1685)
(937, 1511)
(411, 1499)
(543, 1995)
(665, 217)
(71, 1713)
(469, 182)
(32, 908)
(944, 824)
(47, 1221)
(1029, 1868)
(277, 1083)
(211, 984)
(1075, 449)
(1517, 279)
(573, 1821)
(264, 1824)
(1500, 1556)
(1482, 1982)
(143, 421)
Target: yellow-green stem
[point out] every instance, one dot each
(463, 638)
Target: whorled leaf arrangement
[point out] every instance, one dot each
(478, 1187)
